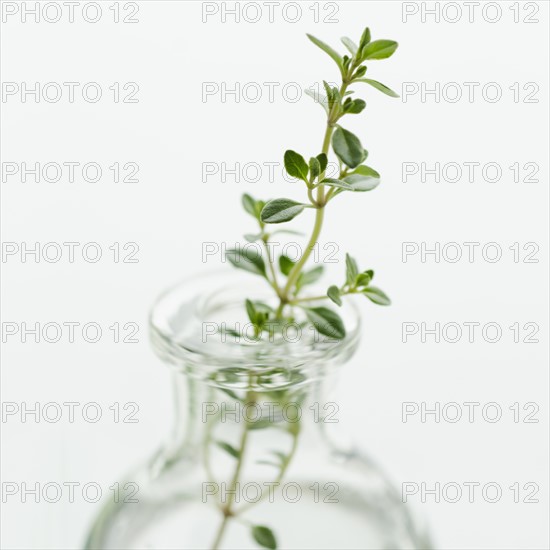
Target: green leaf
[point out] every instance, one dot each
(354, 106)
(230, 331)
(333, 293)
(285, 264)
(346, 62)
(318, 98)
(349, 44)
(253, 237)
(250, 310)
(364, 279)
(379, 49)
(374, 294)
(363, 178)
(379, 86)
(264, 537)
(281, 210)
(295, 165)
(326, 322)
(249, 260)
(365, 38)
(287, 232)
(262, 307)
(249, 204)
(252, 206)
(360, 72)
(347, 147)
(333, 95)
(331, 182)
(228, 449)
(309, 277)
(314, 168)
(327, 49)
(260, 424)
(323, 161)
(351, 270)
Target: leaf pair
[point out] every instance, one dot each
(379, 49)
(365, 51)
(358, 282)
(361, 282)
(354, 106)
(297, 167)
(258, 313)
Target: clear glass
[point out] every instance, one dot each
(253, 442)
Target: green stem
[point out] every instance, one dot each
(227, 509)
(220, 533)
(273, 283)
(293, 275)
(281, 474)
(320, 202)
(308, 299)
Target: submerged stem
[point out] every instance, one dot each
(227, 509)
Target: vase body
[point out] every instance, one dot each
(253, 457)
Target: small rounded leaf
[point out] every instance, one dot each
(355, 106)
(351, 270)
(379, 86)
(333, 293)
(327, 322)
(281, 210)
(295, 165)
(377, 296)
(249, 204)
(365, 38)
(285, 264)
(363, 178)
(314, 168)
(247, 259)
(348, 147)
(379, 49)
(264, 537)
(323, 161)
(364, 279)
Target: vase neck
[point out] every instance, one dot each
(198, 405)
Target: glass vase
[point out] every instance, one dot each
(253, 459)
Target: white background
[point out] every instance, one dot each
(171, 212)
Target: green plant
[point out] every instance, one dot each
(354, 177)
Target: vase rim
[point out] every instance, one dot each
(181, 326)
